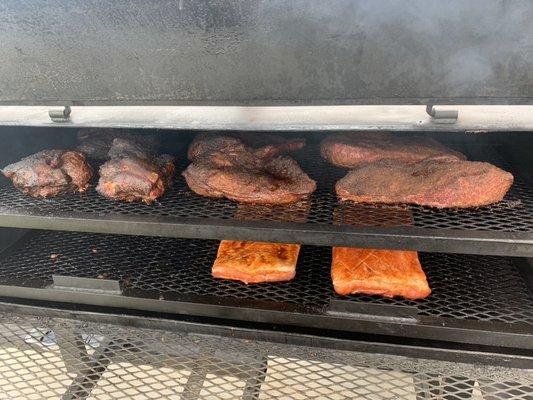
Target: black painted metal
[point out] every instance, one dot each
(505, 228)
(266, 52)
(480, 300)
(91, 353)
(512, 358)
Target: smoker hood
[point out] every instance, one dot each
(281, 52)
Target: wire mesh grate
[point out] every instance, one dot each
(513, 214)
(58, 358)
(484, 288)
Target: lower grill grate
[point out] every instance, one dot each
(464, 287)
(53, 358)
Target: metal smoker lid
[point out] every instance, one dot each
(279, 52)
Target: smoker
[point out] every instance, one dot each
(107, 299)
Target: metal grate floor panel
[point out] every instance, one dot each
(53, 358)
(180, 205)
(482, 289)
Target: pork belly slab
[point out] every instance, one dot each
(255, 262)
(387, 273)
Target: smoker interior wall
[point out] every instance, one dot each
(19, 141)
(266, 52)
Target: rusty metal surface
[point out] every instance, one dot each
(266, 52)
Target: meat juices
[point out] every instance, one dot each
(255, 262)
(387, 273)
(50, 173)
(354, 149)
(441, 183)
(132, 174)
(223, 166)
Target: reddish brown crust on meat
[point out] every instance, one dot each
(207, 145)
(387, 273)
(50, 173)
(75, 165)
(440, 183)
(255, 262)
(224, 166)
(131, 175)
(354, 149)
(280, 181)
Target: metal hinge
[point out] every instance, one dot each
(60, 114)
(91, 285)
(442, 116)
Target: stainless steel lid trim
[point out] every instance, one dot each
(273, 118)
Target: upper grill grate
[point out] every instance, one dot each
(513, 214)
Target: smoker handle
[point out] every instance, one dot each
(442, 116)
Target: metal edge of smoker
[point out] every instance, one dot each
(429, 328)
(303, 118)
(314, 338)
(402, 238)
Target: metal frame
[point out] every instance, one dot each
(251, 366)
(438, 240)
(434, 350)
(366, 321)
(305, 118)
(461, 332)
(94, 366)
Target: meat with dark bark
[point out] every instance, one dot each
(237, 146)
(50, 173)
(97, 142)
(353, 149)
(276, 181)
(279, 144)
(441, 183)
(225, 167)
(133, 174)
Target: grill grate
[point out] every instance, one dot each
(482, 288)
(501, 229)
(52, 358)
(513, 214)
